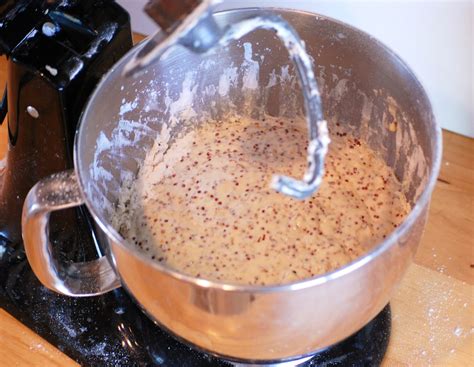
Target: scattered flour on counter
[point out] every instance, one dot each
(457, 331)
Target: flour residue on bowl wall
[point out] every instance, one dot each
(172, 101)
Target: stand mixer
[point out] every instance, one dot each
(130, 337)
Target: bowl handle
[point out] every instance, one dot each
(56, 192)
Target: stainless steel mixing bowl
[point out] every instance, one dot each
(366, 89)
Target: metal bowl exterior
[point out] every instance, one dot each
(269, 324)
(276, 322)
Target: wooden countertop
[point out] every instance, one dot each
(432, 311)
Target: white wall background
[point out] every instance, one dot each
(435, 37)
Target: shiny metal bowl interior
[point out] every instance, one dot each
(365, 87)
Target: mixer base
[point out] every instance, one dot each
(293, 363)
(367, 347)
(110, 330)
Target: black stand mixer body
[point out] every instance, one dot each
(56, 53)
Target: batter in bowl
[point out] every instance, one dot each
(203, 204)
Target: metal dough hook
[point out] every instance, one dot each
(191, 24)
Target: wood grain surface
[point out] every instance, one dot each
(432, 310)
